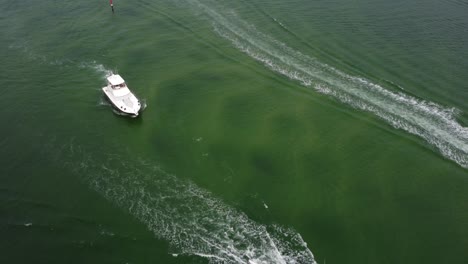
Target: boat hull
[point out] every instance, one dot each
(127, 104)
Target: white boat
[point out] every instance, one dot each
(120, 96)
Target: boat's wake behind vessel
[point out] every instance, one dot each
(190, 218)
(435, 123)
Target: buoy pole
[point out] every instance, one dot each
(112, 6)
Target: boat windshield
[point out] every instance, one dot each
(118, 86)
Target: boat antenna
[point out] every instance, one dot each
(112, 6)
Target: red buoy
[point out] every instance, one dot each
(112, 5)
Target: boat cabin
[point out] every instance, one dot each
(116, 82)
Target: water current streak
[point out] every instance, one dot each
(432, 122)
(190, 218)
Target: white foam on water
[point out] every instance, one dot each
(190, 218)
(24, 48)
(435, 123)
(100, 69)
(143, 104)
(280, 24)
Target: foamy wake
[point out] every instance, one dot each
(24, 47)
(94, 66)
(432, 122)
(192, 219)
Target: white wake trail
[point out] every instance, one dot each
(190, 218)
(434, 123)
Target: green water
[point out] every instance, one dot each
(275, 132)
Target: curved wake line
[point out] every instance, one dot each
(190, 218)
(430, 121)
(96, 67)
(24, 48)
